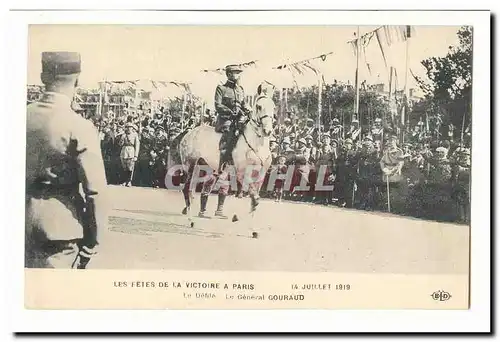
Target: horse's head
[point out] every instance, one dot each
(264, 109)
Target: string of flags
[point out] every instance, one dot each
(386, 36)
(223, 70)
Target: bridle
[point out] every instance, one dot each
(257, 122)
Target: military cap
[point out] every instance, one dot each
(233, 68)
(310, 120)
(378, 120)
(442, 149)
(131, 124)
(326, 134)
(286, 140)
(348, 141)
(303, 141)
(309, 137)
(465, 151)
(288, 120)
(392, 137)
(355, 121)
(61, 62)
(368, 138)
(335, 120)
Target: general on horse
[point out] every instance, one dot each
(243, 137)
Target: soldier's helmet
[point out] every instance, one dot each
(335, 121)
(287, 120)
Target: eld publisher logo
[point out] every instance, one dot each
(441, 296)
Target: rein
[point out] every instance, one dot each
(257, 123)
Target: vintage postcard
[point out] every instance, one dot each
(249, 166)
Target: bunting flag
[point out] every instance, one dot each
(305, 62)
(223, 70)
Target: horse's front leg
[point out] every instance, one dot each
(254, 196)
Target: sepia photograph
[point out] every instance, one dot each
(264, 151)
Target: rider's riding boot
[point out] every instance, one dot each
(203, 207)
(220, 207)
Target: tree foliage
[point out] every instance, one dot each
(337, 101)
(449, 92)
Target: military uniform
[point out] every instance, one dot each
(369, 172)
(346, 171)
(62, 153)
(130, 145)
(391, 164)
(354, 131)
(437, 191)
(461, 183)
(336, 131)
(377, 130)
(230, 106)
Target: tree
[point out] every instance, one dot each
(450, 89)
(337, 101)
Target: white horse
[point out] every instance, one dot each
(200, 147)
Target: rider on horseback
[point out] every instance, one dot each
(231, 112)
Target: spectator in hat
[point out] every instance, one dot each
(130, 145)
(301, 146)
(336, 130)
(309, 128)
(274, 148)
(286, 143)
(354, 130)
(288, 129)
(377, 130)
(310, 152)
(280, 169)
(461, 184)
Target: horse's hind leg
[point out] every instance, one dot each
(187, 191)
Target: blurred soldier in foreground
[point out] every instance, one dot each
(62, 152)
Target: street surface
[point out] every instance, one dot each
(148, 231)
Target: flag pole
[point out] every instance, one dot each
(320, 88)
(405, 116)
(356, 103)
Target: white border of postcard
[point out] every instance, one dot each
(476, 319)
